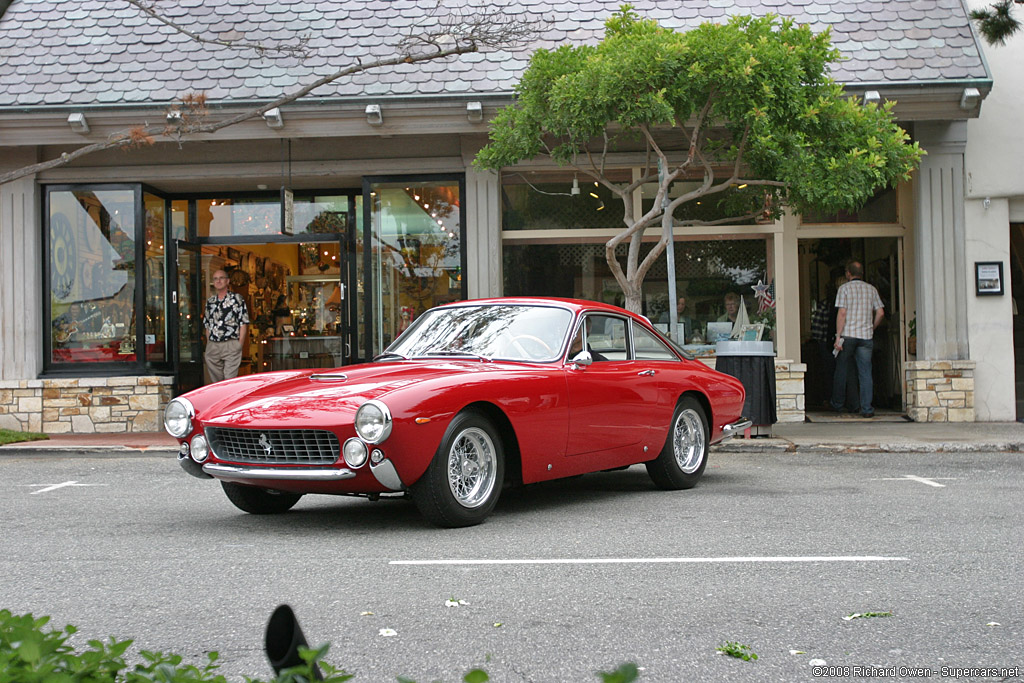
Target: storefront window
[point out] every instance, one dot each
(416, 252)
(156, 280)
(321, 214)
(716, 277)
(558, 201)
(91, 241)
(179, 219)
(240, 217)
(882, 208)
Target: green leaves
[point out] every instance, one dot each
(770, 98)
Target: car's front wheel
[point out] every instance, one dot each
(258, 501)
(462, 484)
(685, 453)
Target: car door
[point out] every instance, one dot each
(607, 398)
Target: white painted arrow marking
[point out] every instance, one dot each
(54, 487)
(920, 480)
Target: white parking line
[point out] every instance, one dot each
(910, 477)
(53, 487)
(663, 560)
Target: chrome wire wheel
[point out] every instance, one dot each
(688, 441)
(472, 467)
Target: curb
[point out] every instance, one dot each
(783, 446)
(90, 451)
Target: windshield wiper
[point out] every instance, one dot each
(389, 354)
(468, 354)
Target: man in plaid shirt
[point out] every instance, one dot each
(860, 312)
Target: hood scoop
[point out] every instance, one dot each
(329, 377)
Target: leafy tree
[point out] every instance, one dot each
(746, 109)
(996, 22)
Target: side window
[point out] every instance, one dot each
(648, 347)
(606, 337)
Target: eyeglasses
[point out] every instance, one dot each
(220, 278)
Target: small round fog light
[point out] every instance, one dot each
(200, 449)
(355, 453)
(377, 457)
(183, 450)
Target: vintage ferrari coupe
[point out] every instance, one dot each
(473, 397)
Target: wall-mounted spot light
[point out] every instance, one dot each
(374, 117)
(78, 123)
(273, 118)
(872, 97)
(173, 117)
(475, 111)
(969, 99)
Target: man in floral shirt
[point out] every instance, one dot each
(226, 322)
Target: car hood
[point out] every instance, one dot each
(303, 399)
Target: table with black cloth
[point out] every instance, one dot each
(756, 370)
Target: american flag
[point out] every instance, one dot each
(765, 295)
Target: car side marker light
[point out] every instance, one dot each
(422, 420)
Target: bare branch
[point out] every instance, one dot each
(300, 49)
(454, 35)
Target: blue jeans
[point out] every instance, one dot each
(859, 351)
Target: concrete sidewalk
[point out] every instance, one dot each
(833, 437)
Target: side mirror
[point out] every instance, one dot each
(581, 359)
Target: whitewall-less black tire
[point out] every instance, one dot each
(463, 482)
(685, 454)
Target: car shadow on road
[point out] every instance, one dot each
(317, 514)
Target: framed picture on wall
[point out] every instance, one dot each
(988, 278)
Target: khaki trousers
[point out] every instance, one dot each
(222, 359)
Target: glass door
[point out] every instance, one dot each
(186, 316)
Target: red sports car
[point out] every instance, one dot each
(473, 397)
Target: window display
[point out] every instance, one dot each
(416, 252)
(91, 241)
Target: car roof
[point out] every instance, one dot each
(575, 305)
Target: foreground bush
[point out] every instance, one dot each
(28, 654)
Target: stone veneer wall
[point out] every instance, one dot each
(789, 390)
(940, 390)
(85, 405)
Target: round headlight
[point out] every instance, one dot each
(354, 451)
(178, 417)
(200, 449)
(373, 422)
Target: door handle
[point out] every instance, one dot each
(647, 373)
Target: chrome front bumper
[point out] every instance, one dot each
(244, 473)
(733, 428)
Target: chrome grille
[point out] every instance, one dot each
(274, 446)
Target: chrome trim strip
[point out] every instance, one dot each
(240, 473)
(330, 376)
(734, 428)
(386, 474)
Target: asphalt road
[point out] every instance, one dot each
(769, 551)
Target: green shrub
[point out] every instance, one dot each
(28, 654)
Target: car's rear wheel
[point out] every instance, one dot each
(258, 501)
(462, 484)
(685, 453)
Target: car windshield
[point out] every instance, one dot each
(530, 333)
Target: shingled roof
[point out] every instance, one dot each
(107, 52)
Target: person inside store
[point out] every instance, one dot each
(282, 314)
(732, 308)
(226, 325)
(823, 325)
(859, 313)
(686, 323)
